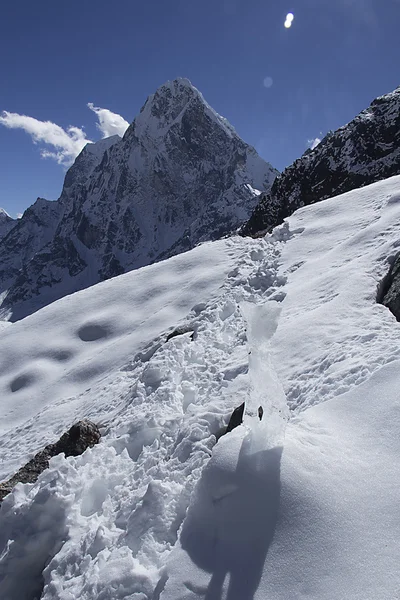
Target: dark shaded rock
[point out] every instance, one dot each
(180, 331)
(389, 290)
(236, 418)
(74, 442)
(364, 151)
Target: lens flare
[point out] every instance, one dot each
(289, 20)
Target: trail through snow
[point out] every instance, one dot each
(159, 510)
(124, 501)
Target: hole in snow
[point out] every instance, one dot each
(22, 381)
(91, 332)
(58, 354)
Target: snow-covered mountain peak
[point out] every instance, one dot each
(173, 102)
(4, 216)
(179, 176)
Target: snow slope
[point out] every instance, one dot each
(302, 504)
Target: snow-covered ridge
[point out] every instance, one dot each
(179, 176)
(365, 150)
(157, 509)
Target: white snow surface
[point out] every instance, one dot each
(302, 504)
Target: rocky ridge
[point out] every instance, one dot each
(364, 151)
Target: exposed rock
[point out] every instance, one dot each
(364, 151)
(389, 292)
(75, 441)
(180, 331)
(236, 418)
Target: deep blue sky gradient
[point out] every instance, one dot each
(57, 56)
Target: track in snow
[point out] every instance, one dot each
(124, 501)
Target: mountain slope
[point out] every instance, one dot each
(365, 150)
(277, 508)
(180, 175)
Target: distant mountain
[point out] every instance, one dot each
(6, 223)
(181, 175)
(364, 151)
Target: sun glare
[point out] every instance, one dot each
(289, 20)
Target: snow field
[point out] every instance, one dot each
(275, 510)
(332, 334)
(125, 500)
(59, 364)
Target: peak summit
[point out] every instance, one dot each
(4, 216)
(168, 106)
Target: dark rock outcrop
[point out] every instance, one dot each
(364, 151)
(75, 441)
(236, 418)
(389, 292)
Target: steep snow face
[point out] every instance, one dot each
(6, 223)
(180, 175)
(365, 150)
(293, 506)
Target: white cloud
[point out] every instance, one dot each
(314, 143)
(109, 123)
(66, 143)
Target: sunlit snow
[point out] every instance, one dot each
(302, 504)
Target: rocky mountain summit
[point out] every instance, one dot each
(364, 151)
(6, 223)
(181, 175)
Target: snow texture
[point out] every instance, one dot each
(302, 504)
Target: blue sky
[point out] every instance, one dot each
(337, 56)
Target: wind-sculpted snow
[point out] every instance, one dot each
(278, 508)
